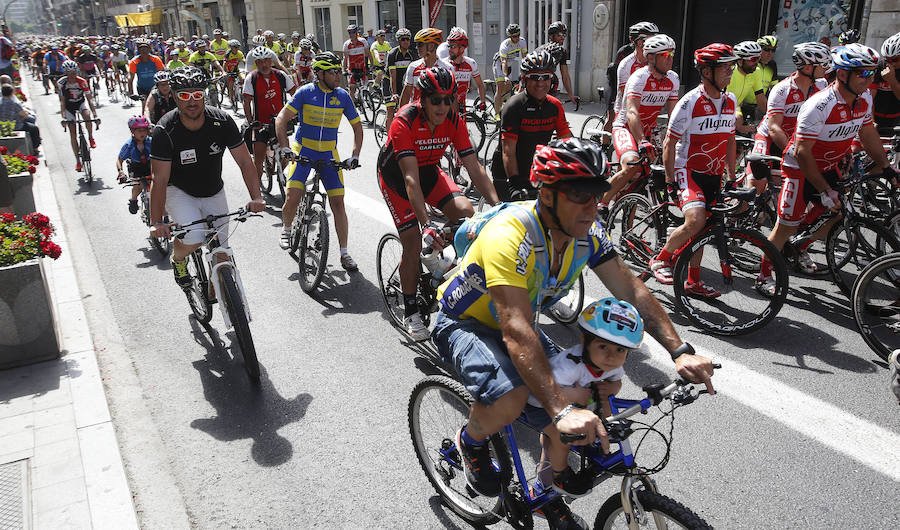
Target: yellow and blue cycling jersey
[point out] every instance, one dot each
(503, 254)
(318, 116)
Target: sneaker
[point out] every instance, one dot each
(559, 516)
(132, 206)
(700, 289)
(662, 271)
(806, 264)
(93, 143)
(416, 329)
(285, 240)
(894, 367)
(78, 166)
(765, 286)
(182, 277)
(573, 484)
(480, 473)
(347, 263)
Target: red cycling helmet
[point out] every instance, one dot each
(458, 36)
(714, 54)
(571, 160)
(436, 80)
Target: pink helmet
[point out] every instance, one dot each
(137, 122)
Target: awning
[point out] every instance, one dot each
(147, 18)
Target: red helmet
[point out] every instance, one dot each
(714, 54)
(436, 80)
(458, 36)
(571, 159)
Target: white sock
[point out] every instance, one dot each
(343, 251)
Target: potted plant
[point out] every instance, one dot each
(28, 332)
(13, 140)
(20, 169)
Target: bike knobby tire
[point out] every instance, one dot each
(313, 252)
(876, 304)
(567, 309)
(198, 292)
(237, 313)
(740, 309)
(612, 515)
(438, 407)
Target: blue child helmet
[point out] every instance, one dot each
(614, 320)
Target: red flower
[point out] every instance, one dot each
(46, 231)
(53, 250)
(37, 220)
(3, 150)
(31, 159)
(7, 217)
(32, 169)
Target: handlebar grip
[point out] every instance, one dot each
(568, 438)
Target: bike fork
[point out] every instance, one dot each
(635, 515)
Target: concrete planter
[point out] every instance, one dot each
(20, 141)
(23, 195)
(28, 331)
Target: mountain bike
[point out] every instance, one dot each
(236, 94)
(379, 126)
(363, 100)
(439, 405)
(111, 85)
(213, 93)
(221, 270)
(273, 169)
(161, 244)
(309, 232)
(83, 148)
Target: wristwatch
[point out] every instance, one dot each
(681, 350)
(567, 409)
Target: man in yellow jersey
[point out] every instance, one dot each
(746, 87)
(380, 49)
(768, 68)
(218, 46)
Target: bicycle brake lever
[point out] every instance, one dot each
(568, 438)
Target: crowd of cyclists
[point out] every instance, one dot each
(526, 254)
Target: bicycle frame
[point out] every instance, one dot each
(213, 250)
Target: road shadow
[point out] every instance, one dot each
(343, 292)
(152, 258)
(243, 409)
(92, 189)
(440, 511)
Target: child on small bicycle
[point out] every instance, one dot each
(137, 152)
(610, 328)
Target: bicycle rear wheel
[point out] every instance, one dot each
(567, 309)
(237, 313)
(265, 182)
(198, 292)
(488, 154)
(740, 309)
(313, 253)
(86, 161)
(637, 233)
(365, 106)
(850, 249)
(674, 514)
(387, 265)
(476, 128)
(380, 127)
(594, 121)
(876, 304)
(438, 407)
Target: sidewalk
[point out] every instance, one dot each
(60, 465)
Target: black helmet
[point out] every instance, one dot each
(849, 37)
(326, 61)
(642, 29)
(538, 61)
(513, 29)
(436, 80)
(557, 27)
(556, 50)
(188, 78)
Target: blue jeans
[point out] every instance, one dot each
(480, 359)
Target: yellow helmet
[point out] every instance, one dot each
(429, 35)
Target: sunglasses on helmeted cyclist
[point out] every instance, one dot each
(437, 100)
(187, 95)
(539, 77)
(768, 49)
(667, 54)
(580, 196)
(404, 38)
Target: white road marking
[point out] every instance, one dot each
(861, 440)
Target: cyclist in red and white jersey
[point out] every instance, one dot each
(356, 59)
(427, 41)
(648, 90)
(637, 33)
(409, 177)
(75, 96)
(827, 124)
(784, 101)
(465, 69)
(699, 147)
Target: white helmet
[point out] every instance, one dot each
(853, 56)
(69, 66)
(658, 43)
(258, 40)
(268, 33)
(891, 47)
(259, 53)
(811, 53)
(748, 49)
(234, 42)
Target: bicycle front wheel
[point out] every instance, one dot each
(739, 308)
(876, 304)
(594, 121)
(313, 248)
(476, 128)
(198, 292)
(365, 106)
(237, 313)
(636, 231)
(387, 264)
(380, 127)
(438, 407)
(657, 509)
(852, 247)
(265, 182)
(567, 309)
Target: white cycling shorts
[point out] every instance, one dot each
(184, 208)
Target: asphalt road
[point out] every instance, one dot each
(803, 432)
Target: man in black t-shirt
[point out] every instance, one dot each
(527, 120)
(556, 36)
(398, 60)
(186, 159)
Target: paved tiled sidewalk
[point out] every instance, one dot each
(54, 416)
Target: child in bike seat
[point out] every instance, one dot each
(610, 328)
(137, 150)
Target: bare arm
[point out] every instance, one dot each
(668, 157)
(510, 163)
(807, 162)
(871, 141)
(281, 123)
(776, 132)
(248, 107)
(405, 95)
(730, 156)
(162, 170)
(479, 82)
(357, 138)
(148, 110)
(566, 81)
(633, 118)
(479, 177)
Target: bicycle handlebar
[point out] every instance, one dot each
(240, 215)
(76, 120)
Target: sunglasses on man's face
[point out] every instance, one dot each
(539, 77)
(580, 196)
(865, 74)
(420, 44)
(404, 39)
(892, 59)
(752, 60)
(768, 49)
(666, 54)
(438, 100)
(187, 95)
